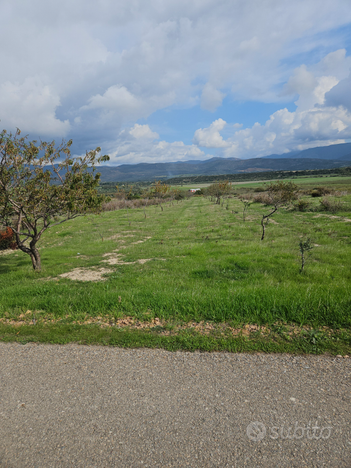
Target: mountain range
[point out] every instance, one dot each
(325, 157)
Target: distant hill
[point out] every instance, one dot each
(215, 166)
(333, 152)
(326, 157)
(330, 157)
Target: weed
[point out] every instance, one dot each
(305, 247)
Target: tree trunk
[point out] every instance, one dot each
(262, 224)
(266, 217)
(32, 251)
(36, 260)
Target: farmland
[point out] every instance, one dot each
(193, 275)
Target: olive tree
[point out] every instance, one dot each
(219, 190)
(41, 186)
(279, 194)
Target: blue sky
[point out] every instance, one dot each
(155, 81)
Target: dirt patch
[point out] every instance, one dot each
(85, 274)
(340, 218)
(7, 252)
(141, 241)
(121, 235)
(116, 259)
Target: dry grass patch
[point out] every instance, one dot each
(276, 331)
(86, 274)
(340, 218)
(7, 252)
(115, 259)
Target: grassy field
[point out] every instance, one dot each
(193, 276)
(337, 182)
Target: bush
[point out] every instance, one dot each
(199, 193)
(328, 204)
(262, 198)
(320, 192)
(302, 205)
(179, 196)
(259, 189)
(116, 204)
(7, 239)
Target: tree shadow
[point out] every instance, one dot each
(230, 271)
(8, 263)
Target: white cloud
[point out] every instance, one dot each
(143, 132)
(137, 144)
(311, 89)
(211, 98)
(210, 137)
(115, 97)
(31, 106)
(317, 121)
(302, 82)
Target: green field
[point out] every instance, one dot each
(188, 277)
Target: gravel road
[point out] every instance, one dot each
(80, 406)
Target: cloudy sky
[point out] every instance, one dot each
(169, 80)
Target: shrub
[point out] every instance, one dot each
(179, 195)
(320, 192)
(302, 205)
(198, 193)
(7, 239)
(328, 204)
(117, 204)
(259, 189)
(262, 198)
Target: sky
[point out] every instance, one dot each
(177, 80)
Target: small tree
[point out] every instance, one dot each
(36, 193)
(246, 204)
(218, 190)
(160, 189)
(305, 247)
(279, 194)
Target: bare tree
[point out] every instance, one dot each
(279, 194)
(246, 203)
